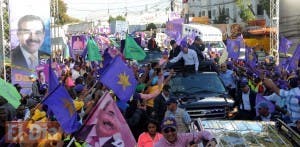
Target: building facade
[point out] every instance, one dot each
(213, 8)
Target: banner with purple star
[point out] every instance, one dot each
(233, 47)
(119, 78)
(61, 104)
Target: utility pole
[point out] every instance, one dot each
(2, 48)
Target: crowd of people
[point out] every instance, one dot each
(152, 115)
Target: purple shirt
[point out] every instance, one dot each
(184, 139)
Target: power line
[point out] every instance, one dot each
(104, 9)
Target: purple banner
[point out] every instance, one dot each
(173, 27)
(78, 44)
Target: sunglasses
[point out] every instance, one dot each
(169, 130)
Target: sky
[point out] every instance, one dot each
(83, 9)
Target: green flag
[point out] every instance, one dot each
(10, 93)
(132, 50)
(66, 51)
(114, 43)
(93, 51)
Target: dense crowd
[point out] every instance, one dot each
(151, 111)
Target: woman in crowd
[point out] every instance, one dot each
(151, 136)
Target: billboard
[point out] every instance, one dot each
(78, 44)
(30, 39)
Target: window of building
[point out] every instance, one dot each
(203, 13)
(214, 13)
(209, 13)
(227, 11)
(260, 10)
(200, 14)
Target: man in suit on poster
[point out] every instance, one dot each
(31, 34)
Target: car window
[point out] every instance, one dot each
(215, 44)
(197, 83)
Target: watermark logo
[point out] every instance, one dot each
(28, 132)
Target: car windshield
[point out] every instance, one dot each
(197, 83)
(151, 56)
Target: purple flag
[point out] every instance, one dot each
(250, 57)
(106, 126)
(119, 78)
(106, 61)
(61, 104)
(53, 81)
(233, 47)
(178, 37)
(293, 64)
(262, 99)
(284, 44)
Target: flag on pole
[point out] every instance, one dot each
(284, 44)
(132, 50)
(10, 93)
(93, 51)
(106, 126)
(233, 47)
(250, 57)
(61, 104)
(261, 99)
(119, 78)
(294, 61)
(53, 80)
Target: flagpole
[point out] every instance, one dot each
(91, 113)
(45, 97)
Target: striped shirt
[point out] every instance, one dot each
(292, 97)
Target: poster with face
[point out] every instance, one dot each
(78, 44)
(106, 126)
(30, 39)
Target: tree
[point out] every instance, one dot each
(119, 17)
(222, 16)
(150, 26)
(266, 6)
(245, 11)
(61, 16)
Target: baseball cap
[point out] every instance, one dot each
(171, 100)
(78, 88)
(168, 122)
(244, 83)
(183, 44)
(172, 42)
(262, 105)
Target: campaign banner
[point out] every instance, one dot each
(78, 44)
(174, 27)
(30, 39)
(106, 126)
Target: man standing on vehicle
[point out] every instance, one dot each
(199, 47)
(191, 62)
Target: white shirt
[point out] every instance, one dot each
(246, 101)
(277, 99)
(190, 58)
(267, 118)
(27, 55)
(75, 74)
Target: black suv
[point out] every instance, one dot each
(201, 94)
